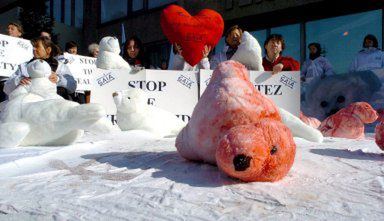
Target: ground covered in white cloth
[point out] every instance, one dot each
(133, 176)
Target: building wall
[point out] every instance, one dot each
(7, 17)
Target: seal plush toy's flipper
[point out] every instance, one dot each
(13, 133)
(299, 128)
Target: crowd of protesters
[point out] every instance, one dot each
(370, 57)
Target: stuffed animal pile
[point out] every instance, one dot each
(36, 115)
(349, 122)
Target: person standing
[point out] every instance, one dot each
(370, 57)
(180, 64)
(317, 65)
(45, 49)
(232, 41)
(274, 60)
(14, 30)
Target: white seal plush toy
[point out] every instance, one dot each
(133, 112)
(109, 57)
(249, 53)
(35, 115)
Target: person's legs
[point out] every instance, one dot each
(3, 96)
(64, 93)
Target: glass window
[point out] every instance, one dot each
(113, 9)
(260, 36)
(291, 35)
(79, 7)
(137, 5)
(48, 8)
(342, 37)
(157, 3)
(57, 10)
(67, 12)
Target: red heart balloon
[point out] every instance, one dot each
(192, 33)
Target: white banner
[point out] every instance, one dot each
(83, 69)
(106, 82)
(13, 51)
(174, 91)
(282, 88)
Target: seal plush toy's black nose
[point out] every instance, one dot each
(241, 162)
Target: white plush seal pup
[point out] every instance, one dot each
(133, 112)
(36, 115)
(109, 57)
(248, 53)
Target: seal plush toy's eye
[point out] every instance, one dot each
(324, 104)
(129, 98)
(340, 99)
(241, 162)
(273, 150)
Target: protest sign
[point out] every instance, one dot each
(282, 88)
(13, 51)
(322, 97)
(83, 70)
(174, 91)
(106, 82)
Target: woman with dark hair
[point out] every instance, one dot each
(316, 65)
(274, 60)
(232, 41)
(370, 57)
(45, 49)
(71, 47)
(133, 53)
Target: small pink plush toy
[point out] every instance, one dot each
(238, 128)
(349, 121)
(311, 121)
(379, 134)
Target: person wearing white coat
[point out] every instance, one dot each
(370, 57)
(180, 64)
(232, 41)
(317, 65)
(43, 48)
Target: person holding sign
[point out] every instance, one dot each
(71, 47)
(45, 49)
(134, 53)
(180, 64)
(15, 30)
(232, 41)
(273, 59)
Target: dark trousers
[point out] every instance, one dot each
(64, 93)
(3, 96)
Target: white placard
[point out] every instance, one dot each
(174, 91)
(83, 69)
(282, 88)
(13, 51)
(108, 81)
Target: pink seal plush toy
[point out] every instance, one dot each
(238, 128)
(311, 121)
(349, 121)
(379, 134)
